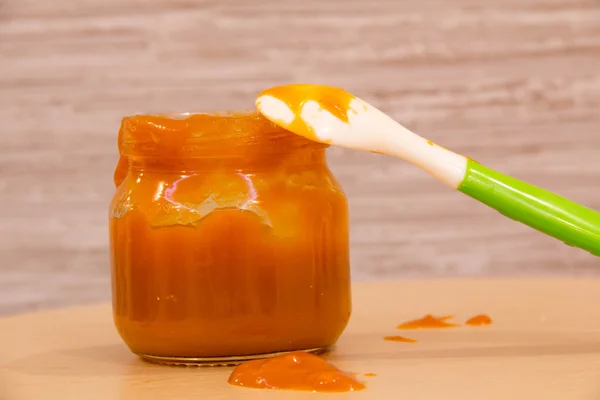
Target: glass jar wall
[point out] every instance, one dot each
(229, 240)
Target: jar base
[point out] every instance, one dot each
(218, 361)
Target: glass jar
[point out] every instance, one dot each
(229, 240)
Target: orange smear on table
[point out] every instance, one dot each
(294, 371)
(479, 320)
(400, 339)
(370, 374)
(428, 322)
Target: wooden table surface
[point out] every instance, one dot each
(514, 84)
(544, 344)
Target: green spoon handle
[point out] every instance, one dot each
(574, 224)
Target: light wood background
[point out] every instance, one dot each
(514, 84)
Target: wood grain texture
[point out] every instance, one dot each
(545, 348)
(514, 84)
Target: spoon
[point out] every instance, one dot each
(333, 116)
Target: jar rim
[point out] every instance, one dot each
(214, 133)
(186, 114)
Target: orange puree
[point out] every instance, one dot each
(294, 371)
(479, 320)
(332, 99)
(229, 237)
(400, 339)
(428, 321)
